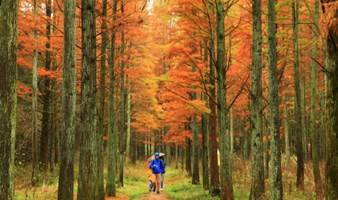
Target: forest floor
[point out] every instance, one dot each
(177, 184)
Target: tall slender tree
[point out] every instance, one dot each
(123, 105)
(45, 131)
(205, 137)
(8, 97)
(214, 169)
(224, 142)
(195, 155)
(331, 164)
(112, 137)
(102, 97)
(286, 128)
(88, 139)
(298, 106)
(66, 172)
(128, 141)
(195, 143)
(35, 150)
(276, 173)
(188, 156)
(257, 184)
(313, 131)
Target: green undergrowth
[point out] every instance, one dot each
(177, 184)
(135, 181)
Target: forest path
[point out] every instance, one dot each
(153, 195)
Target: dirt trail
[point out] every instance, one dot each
(154, 196)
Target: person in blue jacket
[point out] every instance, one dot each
(162, 177)
(157, 167)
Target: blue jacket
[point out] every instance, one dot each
(164, 165)
(157, 166)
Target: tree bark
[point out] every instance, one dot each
(331, 165)
(112, 137)
(66, 172)
(195, 166)
(88, 168)
(205, 149)
(276, 173)
(286, 128)
(35, 149)
(303, 111)
(8, 97)
(298, 106)
(257, 184)
(188, 156)
(123, 107)
(231, 133)
(204, 125)
(266, 148)
(47, 94)
(224, 142)
(194, 130)
(128, 119)
(176, 155)
(182, 158)
(52, 133)
(214, 169)
(313, 130)
(102, 97)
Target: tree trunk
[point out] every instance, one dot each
(128, 118)
(188, 156)
(168, 152)
(257, 184)
(331, 165)
(35, 150)
(102, 97)
(276, 173)
(47, 94)
(66, 172)
(8, 97)
(231, 132)
(88, 168)
(204, 126)
(195, 166)
(266, 149)
(182, 158)
(224, 142)
(57, 144)
(303, 111)
(286, 129)
(123, 107)
(205, 149)
(214, 170)
(313, 129)
(112, 137)
(52, 133)
(247, 143)
(194, 130)
(298, 106)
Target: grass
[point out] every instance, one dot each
(135, 181)
(177, 184)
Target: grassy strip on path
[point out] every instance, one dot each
(177, 185)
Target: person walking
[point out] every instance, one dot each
(157, 167)
(162, 175)
(150, 179)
